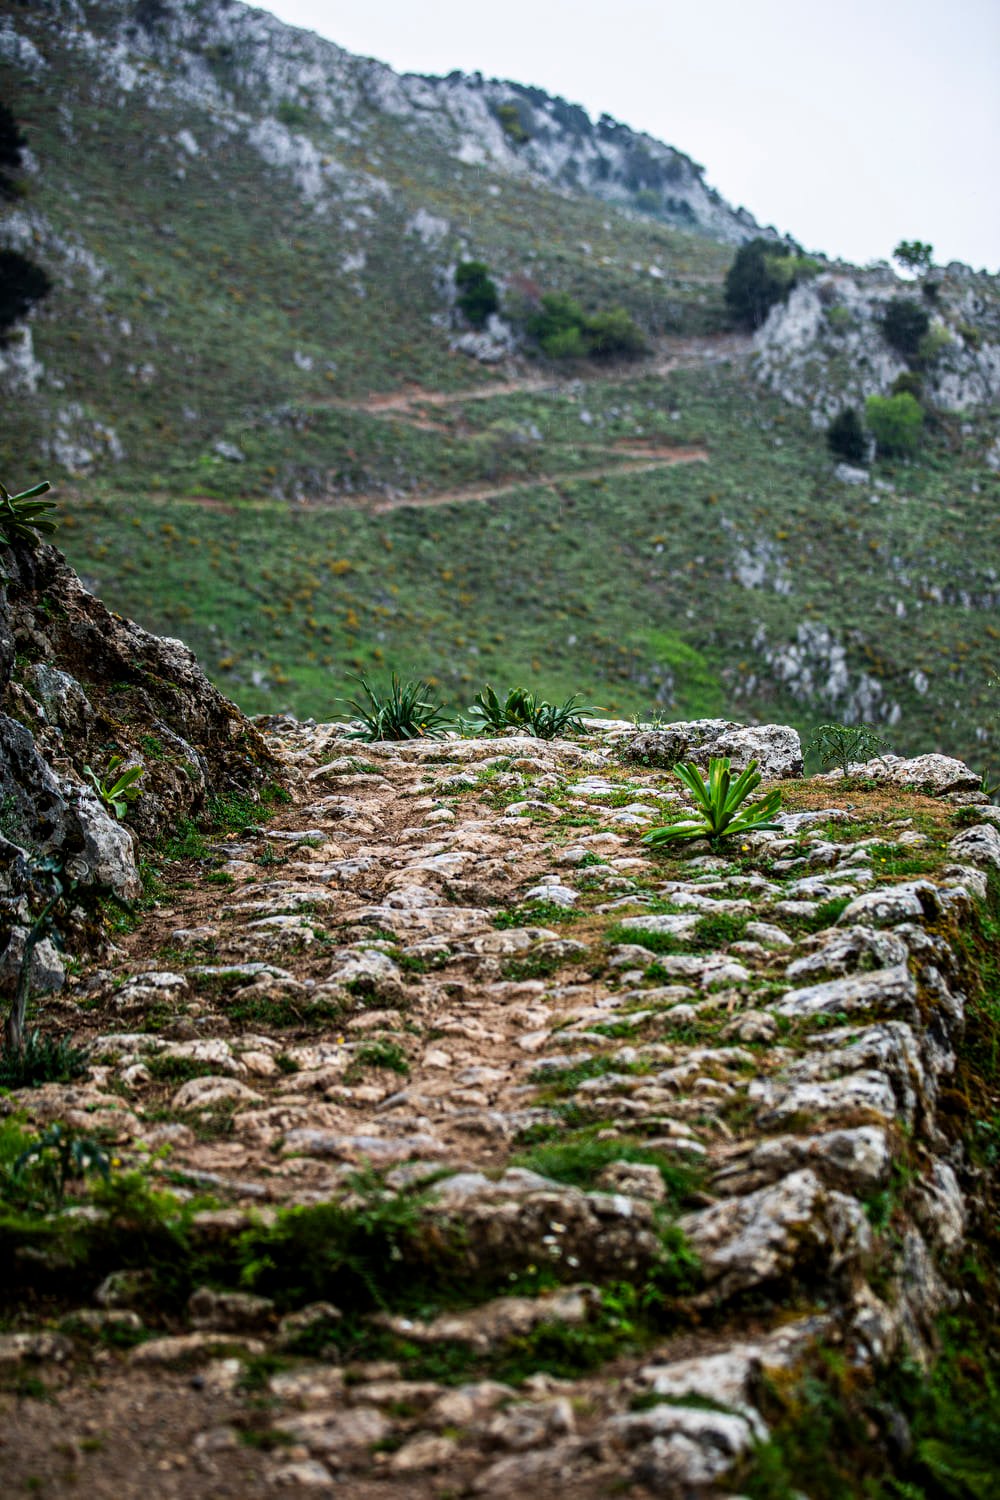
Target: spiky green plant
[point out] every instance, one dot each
(522, 710)
(23, 517)
(405, 712)
(116, 791)
(720, 801)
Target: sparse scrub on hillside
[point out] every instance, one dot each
(563, 330)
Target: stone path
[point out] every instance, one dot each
(652, 1098)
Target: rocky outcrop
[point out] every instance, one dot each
(80, 685)
(825, 348)
(775, 747)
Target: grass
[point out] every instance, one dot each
(581, 1158)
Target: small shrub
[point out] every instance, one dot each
(845, 436)
(477, 298)
(512, 123)
(904, 324)
(844, 744)
(896, 423)
(44, 1170)
(720, 803)
(119, 787)
(405, 712)
(908, 383)
(934, 342)
(41, 1059)
(522, 710)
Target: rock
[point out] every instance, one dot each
(909, 901)
(635, 1180)
(339, 1434)
(202, 1093)
(797, 1223)
(775, 747)
(307, 1474)
(681, 1446)
(890, 991)
(230, 1312)
(868, 1093)
(846, 952)
(35, 1348)
(493, 1322)
(934, 775)
(423, 1453)
(188, 1348)
(858, 1161)
(978, 846)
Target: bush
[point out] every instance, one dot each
(478, 298)
(895, 422)
(565, 331)
(845, 436)
(512, 123)
(12, 143)
(904, 324)
(762, 275)
(22, 284)
(915, 255)
(908, 383)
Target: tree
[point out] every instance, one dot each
(762, 275)
(22, 284)
(12, 143)
(895, 423)
(915, 255)
(904, 324)
(845, 436)
(477, 293)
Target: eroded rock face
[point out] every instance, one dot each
(78, 684)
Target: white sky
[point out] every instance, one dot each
(850, 126)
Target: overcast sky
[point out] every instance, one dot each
(850, 126)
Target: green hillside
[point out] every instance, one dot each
(661, 535)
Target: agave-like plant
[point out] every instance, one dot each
(119, 787)
(405, 712)
(24, 516)
(720, 801)
(523, 710)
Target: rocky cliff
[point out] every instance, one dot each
(278, 85)
(79, 688)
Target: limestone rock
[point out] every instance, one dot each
(775, 747)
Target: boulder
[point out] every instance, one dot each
(775, 747)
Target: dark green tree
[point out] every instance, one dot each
(915, 255)
(762, 274)
(12, 143)
(477, 293)
(904, 324)
(845, 436)
(22, 284)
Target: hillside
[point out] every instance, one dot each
(272, 436)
